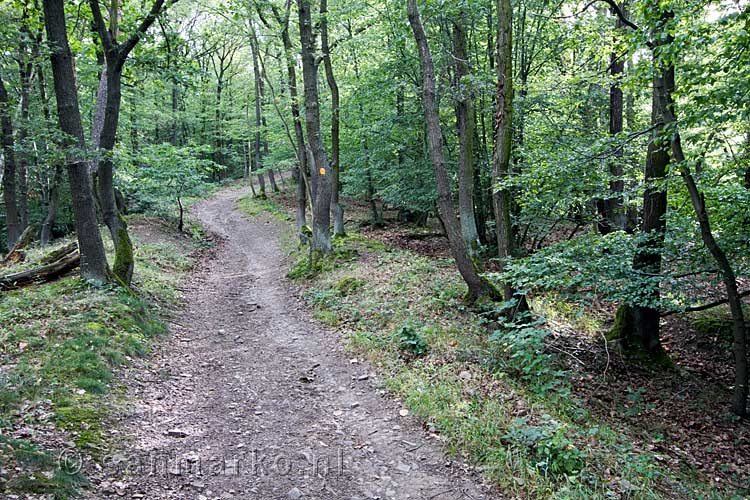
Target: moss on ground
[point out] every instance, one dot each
(61, 344)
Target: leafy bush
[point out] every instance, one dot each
(411, 341)
(163, 176)
(554, 453)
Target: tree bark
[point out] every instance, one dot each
(739, 327)
(504, 141)
(322, 198)
(477, 287)
(24, 71)
(729, 278)
(465, 126)
(612, 214)
(338, 211)
(53, 196)
(12, 219)
(93, 258)
(302, 177)
(638, 331)
(48, 272)
(262, 86)
(258, 161)
(16, 253)
(115, 55)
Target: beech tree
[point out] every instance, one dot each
(94, 266)
(322, 176)
(594, 155)
(104, 133)
(478, 287)
(12, 221)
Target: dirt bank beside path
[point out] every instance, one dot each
(250, 399)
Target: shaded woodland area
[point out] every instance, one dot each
(579, 162)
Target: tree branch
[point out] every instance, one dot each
(621, 15)
(101, 27)
(132, 41)
(703, 307)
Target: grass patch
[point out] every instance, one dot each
(61, 344)
(254, 206)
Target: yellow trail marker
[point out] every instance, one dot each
(322, 171)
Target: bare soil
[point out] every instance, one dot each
(249, 398)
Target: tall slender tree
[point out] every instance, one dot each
(323, 182)
(338, 211)
(302, 189)
(465, 124)
(115, 55)
(94, 265)
(12, 219)
(478, 287)
(504, 142)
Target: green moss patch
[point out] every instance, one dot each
(61, 344)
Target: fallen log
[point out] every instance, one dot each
(59, 253)
(41, 274)
(16, 254)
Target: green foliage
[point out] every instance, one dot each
(552, 451)
(411, 342)
(520, 351)
(162, 176)
(471, 390)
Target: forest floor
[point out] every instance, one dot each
(251, 398)
(280, 381)
(550, 410)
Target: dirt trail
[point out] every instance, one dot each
(250, 399)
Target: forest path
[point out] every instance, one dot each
(251, 399)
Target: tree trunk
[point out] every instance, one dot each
(53, 196)
(115, 56)
(638, 331)
(338, 211)
(747, 154)
(16, 253)
(322, 197)
(48, 272)
(93, 259)
(12, 220)
(476, 285)
(302, 189)
(270, 172)
(465, 126)
(53, 204)
(124, 262)
(22, 159)
(739, 346)
(504, 140)
(258, 119)
(612, 215)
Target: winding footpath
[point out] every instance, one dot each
(251, 399)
